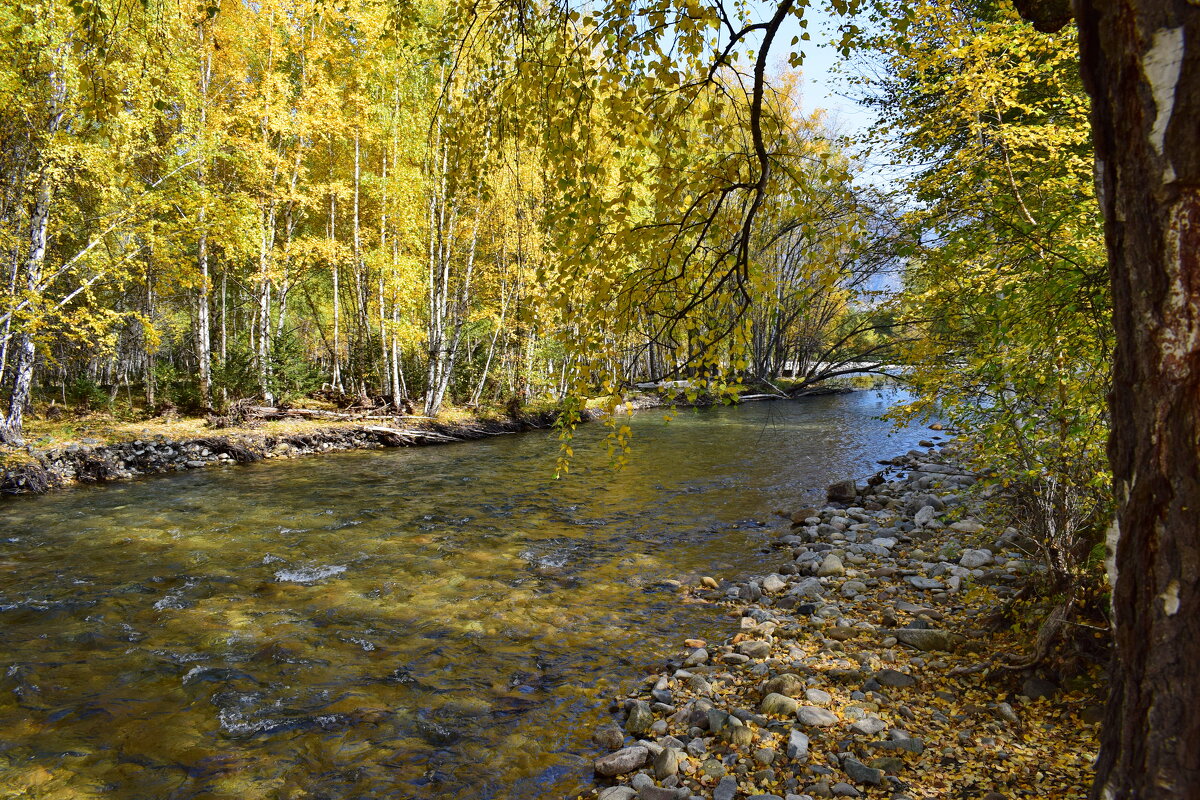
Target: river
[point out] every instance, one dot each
(417, 623)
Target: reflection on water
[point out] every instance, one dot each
(424, 623)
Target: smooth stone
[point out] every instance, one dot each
(788, 684)
(815, 717)
(895, 678)
(843, 789)
(754, 648)
(921, 582)
(779, 705)
(773, 584)
(609, 736)
(696, 658)
(666, 763)
(627, 759)
(974, 559)
(927, 639)
(818, 697)
(831, 566)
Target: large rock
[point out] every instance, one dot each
(625, 760)
(924, 516)
(842, 492)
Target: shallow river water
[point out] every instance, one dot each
(426, 623)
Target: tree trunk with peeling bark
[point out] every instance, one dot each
(1141, 65)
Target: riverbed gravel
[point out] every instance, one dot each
(859, 666)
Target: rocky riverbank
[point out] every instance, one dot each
(40, 471)
(867, 664)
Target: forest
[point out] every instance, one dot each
(428, 205)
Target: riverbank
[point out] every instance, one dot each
(97, 451)
(149, 452)
(872, 662)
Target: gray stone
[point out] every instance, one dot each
(696, 657)
(831, 566)
(869, 726)
(764, 756)
(779, 705)
(974, 559)
(797, 746)
(814, 717)
(725, 789)
(666, 763)
(640, 718)
(842, 492)
(921, 582)
(809, 587)
(657, 793)
(861, 773)
(818, 697)
(927, 639)
(754, 648)
(700, 686)
(773, 584)
(895, 679)
(608, 736)
(641, 781)
(843, 789)
(788, 684)
(627, 759)
(924, 516)
(852, 588)
(618, 793)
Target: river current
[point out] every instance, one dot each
(415, 623)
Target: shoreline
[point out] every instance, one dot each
(868, 664)
(63, 466)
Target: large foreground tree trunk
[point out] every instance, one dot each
(1141, 63)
